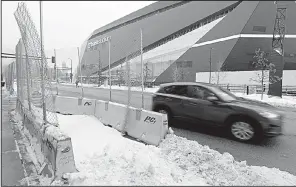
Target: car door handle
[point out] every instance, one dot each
(168, 99)
(192, 103)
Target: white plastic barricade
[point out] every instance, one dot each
(100, 112)
(67, 105)
(55, 146)
(147, 126)
(87, 106)
(112, 114)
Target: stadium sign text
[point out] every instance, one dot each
(99, 41)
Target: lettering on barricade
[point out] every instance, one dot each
(65, 159)
(149, 119)
(165, 122)
(87, 104)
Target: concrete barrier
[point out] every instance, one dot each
(147, 126)
(67, 105)
(87, 106)
(73, 105)
(112, 114)
(53, 144)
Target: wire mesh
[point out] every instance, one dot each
(33, 80)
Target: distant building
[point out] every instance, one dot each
(228, 32)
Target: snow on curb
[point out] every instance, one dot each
(104, 157)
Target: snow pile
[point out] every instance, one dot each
(104, 157)
(220, 169)
(285, 101)
(31, 154)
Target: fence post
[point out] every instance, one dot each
(142, 69)
(42, 64)
(247, 90)
(28, 81)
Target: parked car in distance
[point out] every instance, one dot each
(207, 104)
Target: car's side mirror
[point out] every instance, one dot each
(212, 98)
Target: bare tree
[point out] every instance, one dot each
(264, 66)
(147, 73)
(179, 72)
(120, 75)
(218, 75)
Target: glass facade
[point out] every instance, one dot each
(157, 60)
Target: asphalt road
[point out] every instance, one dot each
(279, 152)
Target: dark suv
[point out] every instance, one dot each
(208, 104)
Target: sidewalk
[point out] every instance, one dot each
(12, 169)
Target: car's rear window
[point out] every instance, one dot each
(174, 89)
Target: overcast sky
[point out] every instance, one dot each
(66, 24)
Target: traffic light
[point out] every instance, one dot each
(53, 60)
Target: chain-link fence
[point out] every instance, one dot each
(34, 90)
(10, 76)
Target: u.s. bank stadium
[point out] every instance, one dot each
(198, 36)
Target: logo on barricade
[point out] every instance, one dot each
(149, 119)
(87, 104)
(67, 149)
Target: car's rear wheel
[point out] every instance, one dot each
(167, 111)
(245, 130)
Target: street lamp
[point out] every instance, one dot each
(71, 75)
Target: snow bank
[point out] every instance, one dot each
(285, 101)
(104, 157)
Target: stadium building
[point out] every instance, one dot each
(183, 38)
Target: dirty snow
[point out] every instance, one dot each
(104, 157)
(285, 101)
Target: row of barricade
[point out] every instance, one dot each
(56, 147)
(52, 147)
(147, 126)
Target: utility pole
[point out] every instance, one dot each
(142, 67)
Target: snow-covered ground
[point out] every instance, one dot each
(104, 157)
(285, 101)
